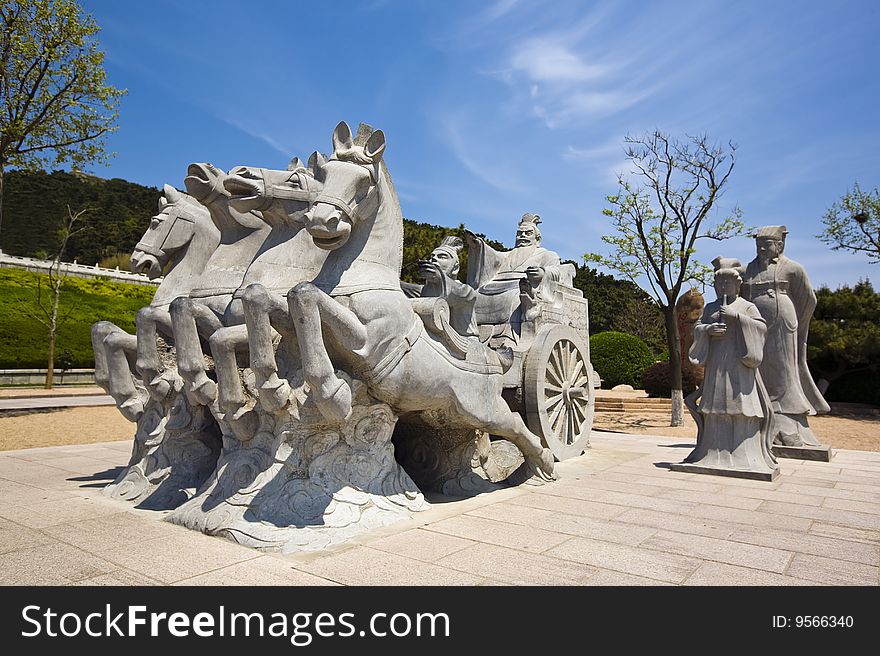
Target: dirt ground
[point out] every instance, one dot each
(844, 431)
(848, 429)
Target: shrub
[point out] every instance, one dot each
(619, 358)
(657, 379)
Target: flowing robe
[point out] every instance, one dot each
(733, 411)
(496, 276)
(783, 295)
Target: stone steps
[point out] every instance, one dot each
(632, 405)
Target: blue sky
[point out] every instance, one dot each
(494, 109)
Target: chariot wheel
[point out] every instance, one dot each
(558, 391)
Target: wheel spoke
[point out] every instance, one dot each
(553, 388)
(574, 424)
(561, 361)
(575, 371)
(583, 381)
(551, 401)
(553, 368)
(581, 412)
(554, 418)
(573, 359)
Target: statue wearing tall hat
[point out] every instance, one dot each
(500, 277)
(781, 290)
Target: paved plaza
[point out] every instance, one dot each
(617, 516)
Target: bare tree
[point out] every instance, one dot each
(48, 308)
(659, 218)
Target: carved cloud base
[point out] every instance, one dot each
(176, 447)
(303, 485)
(451, 460)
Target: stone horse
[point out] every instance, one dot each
(284, 259)
(180, 239)
(354, 314)
(197, 314)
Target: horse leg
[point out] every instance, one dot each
(100, 330)
(121, 382)
(185, 314)
(157, 379)
(498, 419)
(258, 305)
(230, 394)
(310, 307)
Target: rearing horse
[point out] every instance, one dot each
(354, 314)
(181, 239)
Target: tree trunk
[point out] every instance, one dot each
(673, 342)
(1, 199)
(53, 332)
(50, 366)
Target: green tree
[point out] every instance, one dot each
(55, 105)
(621, 306)
(659, 219)
(853, 223)
(845, 332)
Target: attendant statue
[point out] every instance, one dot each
(440, 273)
(733, 414)
(780, 289)
(504, 279)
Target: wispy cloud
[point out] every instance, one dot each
(498, 9)
(605, 151)
(489, 169)
(257, 134)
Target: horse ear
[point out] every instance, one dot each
(162, 203)
(171, 194)
(316, 165)
(295, 163)
(342, 137)
(375, 146)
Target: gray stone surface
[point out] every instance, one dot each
(732, 410)
(822, 453)
(292, 278)
(781, 290)
(522, 535)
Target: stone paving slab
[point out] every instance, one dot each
(617, 516)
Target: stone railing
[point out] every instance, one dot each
(38, 376)
(75, 269)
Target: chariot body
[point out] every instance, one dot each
(535, 324)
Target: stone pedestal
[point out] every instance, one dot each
(176, 447)
(822, 453)
(722, 471)
(301, 484)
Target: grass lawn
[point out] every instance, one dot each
(24, 340)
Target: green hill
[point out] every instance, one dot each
(35, 204)
(23, 339)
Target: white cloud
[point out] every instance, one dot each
(544, 60)
(488, 169)
(257, 134)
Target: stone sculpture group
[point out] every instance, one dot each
(757, 391)
(290, 392)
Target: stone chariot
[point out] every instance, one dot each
(289, 394)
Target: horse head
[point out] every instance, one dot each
(350, 188)
(179, 220)
(278, 195)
